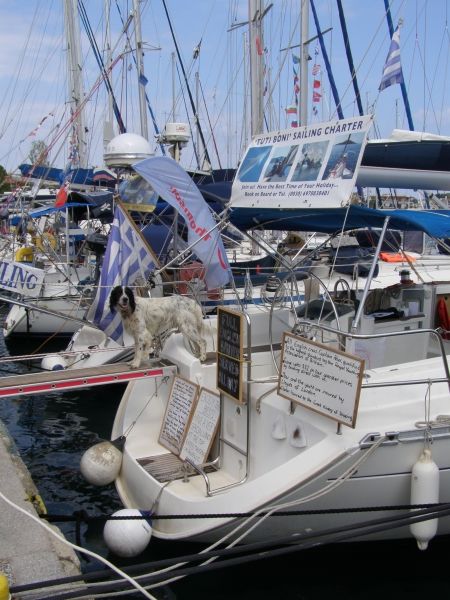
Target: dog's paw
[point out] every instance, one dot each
(134, 364)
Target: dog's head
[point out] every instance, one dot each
(122, 299)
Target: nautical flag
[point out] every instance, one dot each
(171, 182)
(316, 96)
(259, 48)
(126, 259)
(315, 69)
(295, 59)
(291, 110)
(143, 79)
(392, 72)
(62, 195)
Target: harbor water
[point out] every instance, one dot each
(51, 433)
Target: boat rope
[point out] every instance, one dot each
(75, 547)
(83, 517)
(239, 555)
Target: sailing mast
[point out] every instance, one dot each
(304, 56)
(255, 10)
(140, 69)
(76, 93)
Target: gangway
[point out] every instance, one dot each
(54, 381)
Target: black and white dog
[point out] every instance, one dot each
(145, 318)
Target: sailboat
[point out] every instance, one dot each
(326, 419)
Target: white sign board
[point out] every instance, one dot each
(322, 379)
(20, 278)
(178, 412)
(306, 167)
(202, 429)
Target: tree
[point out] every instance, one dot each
(4, 185)
(39, 153)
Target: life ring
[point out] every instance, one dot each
(24, 254)
(42, 242)
(194, 270)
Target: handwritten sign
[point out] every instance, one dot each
(325, 380)
(179, 408)
(202, 429)
(230, 352)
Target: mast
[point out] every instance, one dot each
(140, 69)
(255, 10)
(108, 128)
(303, 95)
(76, 94)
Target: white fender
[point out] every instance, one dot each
(128, 537)
(424, 490)
(101, 463)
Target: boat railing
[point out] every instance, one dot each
(309, 327)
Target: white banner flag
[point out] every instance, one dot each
(171, 182)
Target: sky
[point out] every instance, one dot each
(33, 71)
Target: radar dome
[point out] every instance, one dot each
(126, 149)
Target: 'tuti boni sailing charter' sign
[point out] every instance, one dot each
(305, 167)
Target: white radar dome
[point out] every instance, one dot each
(126, 149)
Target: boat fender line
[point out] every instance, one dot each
(101, 464)
(128, 532)
(424, 490)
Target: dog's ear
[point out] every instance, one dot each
(131, 299)
(113, 298)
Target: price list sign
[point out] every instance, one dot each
(230, 352)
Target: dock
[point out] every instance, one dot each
(28, 553)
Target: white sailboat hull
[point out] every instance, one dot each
(283, 475)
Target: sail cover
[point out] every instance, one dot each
(435, 223)
(306, 167)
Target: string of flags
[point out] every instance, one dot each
(36, 129)
(316, 94)
(292, 109)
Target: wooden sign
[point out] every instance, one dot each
(202, 429)
(230, 352)
(325, 380)
(178, 412)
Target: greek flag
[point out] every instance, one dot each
(392, 72)
(126, 258)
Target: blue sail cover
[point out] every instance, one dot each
(435, 223)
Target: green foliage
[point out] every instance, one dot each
(4, 185)
(39, 153)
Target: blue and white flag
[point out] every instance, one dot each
(126, 258)
(392, 72)
(171, 182)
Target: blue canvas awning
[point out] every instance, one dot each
(435, 223)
